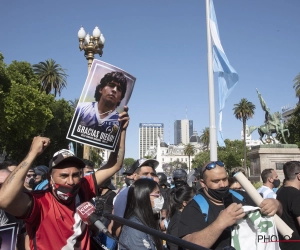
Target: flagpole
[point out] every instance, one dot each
(211, 91)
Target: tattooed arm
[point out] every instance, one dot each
(12, 198)
(116, 158)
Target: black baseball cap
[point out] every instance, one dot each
(140, 163)
(65, 155)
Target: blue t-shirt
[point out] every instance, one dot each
(88, 116)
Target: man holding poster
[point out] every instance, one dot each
(50, 215)
(106, 91)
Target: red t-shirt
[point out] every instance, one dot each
(58, 226)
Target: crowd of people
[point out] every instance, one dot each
(43, 201)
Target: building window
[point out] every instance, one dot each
(163, 159)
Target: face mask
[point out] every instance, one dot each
(65, 193)
(219, 193)
(30, 181)
(179, 183)
(158, 204)
(276, 183)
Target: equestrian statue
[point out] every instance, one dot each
(273, 125)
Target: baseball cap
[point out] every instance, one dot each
(41, 170)
(140, 163)
(65, 155)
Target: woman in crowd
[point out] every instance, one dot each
(179, 198)
(144, 203)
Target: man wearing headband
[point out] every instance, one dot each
(212, 230)
(50, 215)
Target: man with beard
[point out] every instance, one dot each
(50, 215)
(212, 230)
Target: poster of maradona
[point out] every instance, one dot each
(106, 91)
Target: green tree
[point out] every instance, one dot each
(293, 126)
(4, 78)
(52, 76)
(201, 158)
(128, 162)
(189, 150)
(58, 127)
(74, 103)
(243, 111)
(204, 138)
(297, 86)
(21, 123)
(24, 111)
(96, 156)
(232, 153)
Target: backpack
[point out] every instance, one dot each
(203, 204)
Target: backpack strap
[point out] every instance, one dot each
(203, 204)
(237, 195)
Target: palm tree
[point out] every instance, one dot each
(52, 76)
(204, 138)
(243, 111)
(297, 86)
(73, 104)
(189, 150)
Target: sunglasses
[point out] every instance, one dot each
(212, 165)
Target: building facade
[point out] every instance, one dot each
(148, 133)
(183, 130)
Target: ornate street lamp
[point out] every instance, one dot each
(91, 45)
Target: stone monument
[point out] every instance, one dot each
(271, 154)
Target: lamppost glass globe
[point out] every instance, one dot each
(81, 33)
(87, 39)
(102, 39)
(96, 32)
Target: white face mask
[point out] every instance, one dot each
(158, 204)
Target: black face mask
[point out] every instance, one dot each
(32, 183)
(179, 183)
(276, 183)
(219, 193)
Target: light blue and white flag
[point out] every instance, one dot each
(71, 147)
(227, 76)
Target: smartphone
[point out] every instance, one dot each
(227, 200)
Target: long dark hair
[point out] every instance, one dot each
(139, 205)
(177, 197)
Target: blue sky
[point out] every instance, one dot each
(163, 44)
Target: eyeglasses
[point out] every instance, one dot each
(31, 175)
(212, 165)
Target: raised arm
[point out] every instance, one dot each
(12, 199)
(116, 158)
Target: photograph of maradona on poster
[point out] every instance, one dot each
(105, 93)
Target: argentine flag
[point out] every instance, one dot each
(227, 76)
